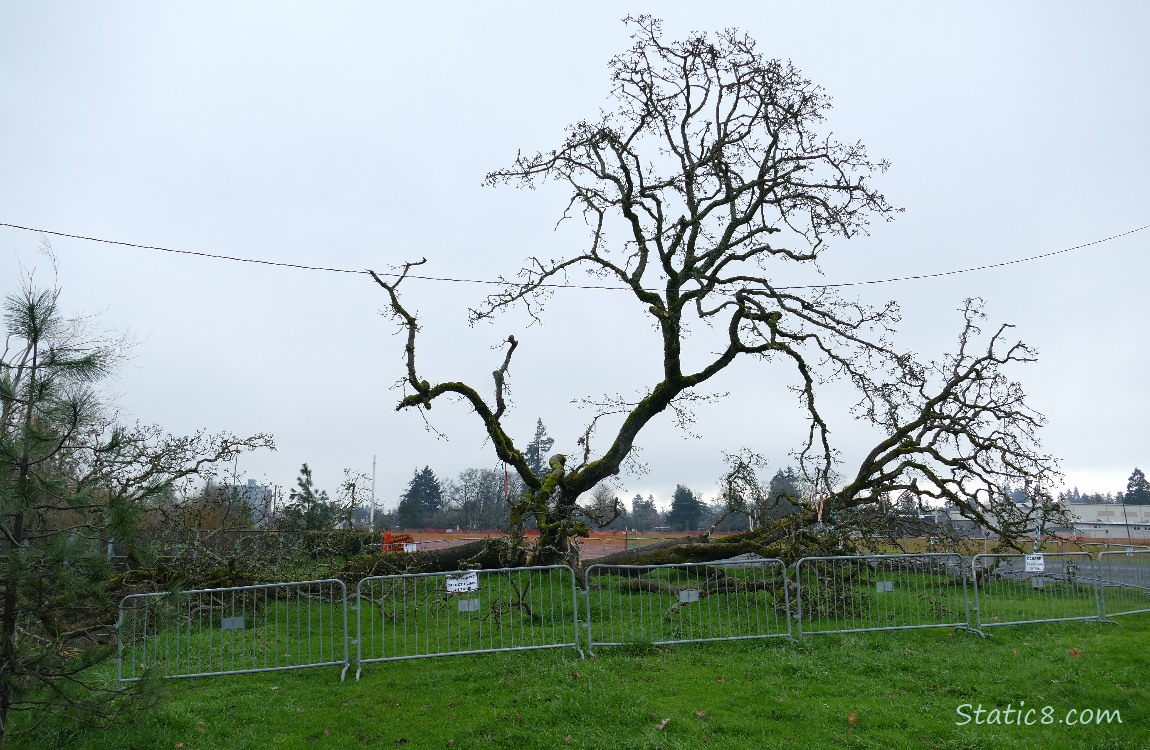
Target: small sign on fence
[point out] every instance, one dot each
(885, 587)
(686, 596)
(1035, 564)
(465, 582)
(232, 623)
(468, 605)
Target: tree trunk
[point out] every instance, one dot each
(484, 554)
(788, 539)
(8, 656)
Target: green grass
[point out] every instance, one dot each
(870, 690)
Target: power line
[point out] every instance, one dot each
(976, 268)
(303, 267)
(213, 256)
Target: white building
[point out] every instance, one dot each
(1101, 521)
(1112, 521)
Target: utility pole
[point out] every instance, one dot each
(371, 513)
(1126, 521)
(1036, 498)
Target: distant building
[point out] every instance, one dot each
(1101, 521)
(257, 497)
(1111, 521)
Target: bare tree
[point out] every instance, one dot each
(712, 173)
(351, 496)
(959, 430)
(742, 493)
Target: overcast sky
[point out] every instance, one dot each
(357, 135)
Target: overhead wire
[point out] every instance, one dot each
(304, 267)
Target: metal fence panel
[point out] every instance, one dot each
(1017, 588)
(414, 616)
(1096, 548)
(1124, 582)
(846, 594)
(659, 604)
(233, 630)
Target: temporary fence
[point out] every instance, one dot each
(233, 630)
(660, 604)
(845, 594)
(1124, 581)
(1011, 589)
(1097, 548)
(305, 624)
(420, 615)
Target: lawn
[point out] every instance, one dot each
(861, 690)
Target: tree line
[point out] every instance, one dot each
(483, 498)
(1137, 493)
(480, 498)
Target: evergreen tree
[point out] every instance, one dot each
(1137, 489)
(686, 510)
(421, 500)
(535, 454)
(70, 481)
(644, 514)
(784, 493)
(410, 514)
(906, 506)
(426, 489)
(308, 510)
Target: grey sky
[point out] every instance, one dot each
(356, 135)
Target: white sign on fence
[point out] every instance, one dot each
(410, 547)
(1035, 564)
(465, 582)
